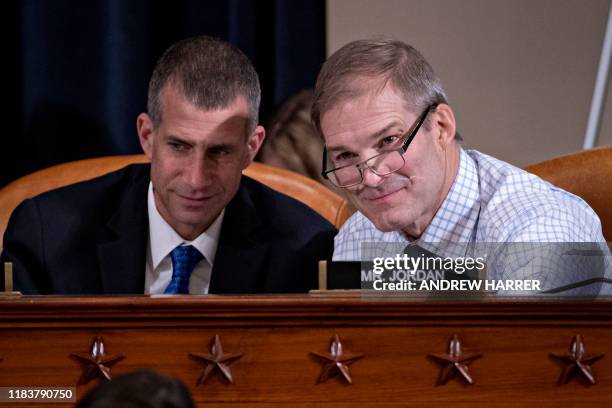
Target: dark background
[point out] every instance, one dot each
(77, 71)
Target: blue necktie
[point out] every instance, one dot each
(184, 259)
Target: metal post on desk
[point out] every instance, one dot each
(8, 282)
(601, 86)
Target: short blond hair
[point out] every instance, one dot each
(371, 64)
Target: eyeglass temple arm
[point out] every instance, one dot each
(431, 107)
(324, 164)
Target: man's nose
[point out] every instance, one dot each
(199, 172)
(371, 179)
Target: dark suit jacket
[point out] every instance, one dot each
(91, 238)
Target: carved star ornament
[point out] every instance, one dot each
(216, 361)
(577, 362)
(96, 364)
(337, 362)
(455, 362)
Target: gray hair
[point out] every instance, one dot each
(209, 73)
(366, 65)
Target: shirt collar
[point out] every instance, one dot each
(163, 238)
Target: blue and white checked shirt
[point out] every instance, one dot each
(492, 201)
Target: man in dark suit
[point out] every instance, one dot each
(187, 223)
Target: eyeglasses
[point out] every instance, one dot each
(381, 164)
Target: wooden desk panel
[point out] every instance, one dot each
(277, 334)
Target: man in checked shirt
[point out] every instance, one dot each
(391, 142)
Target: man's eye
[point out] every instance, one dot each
(344, 156)
(388, 141)
(219, 151)
(179, 147)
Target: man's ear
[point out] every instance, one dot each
(253, 144)
(144, 126)
(444, 120)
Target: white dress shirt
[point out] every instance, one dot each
(163, 239)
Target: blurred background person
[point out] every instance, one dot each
(293, 142)
(139, 389)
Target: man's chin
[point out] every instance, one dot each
(388, 224)
(196, 215)
(387, 227)
(195, 224)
